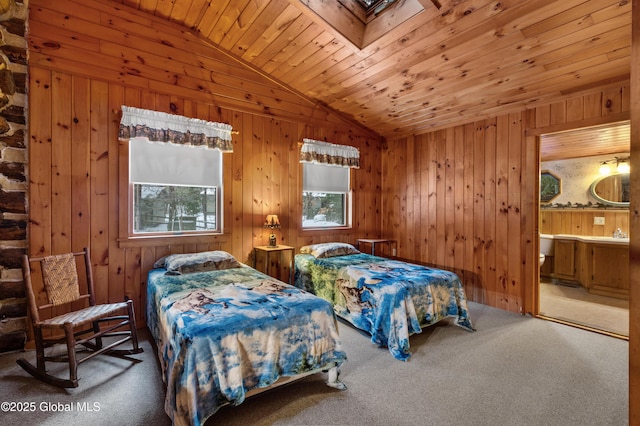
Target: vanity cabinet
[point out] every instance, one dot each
(599, 264)
(609, 270)
(564, 259)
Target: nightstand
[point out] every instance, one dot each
(373, 242)
(275, 262)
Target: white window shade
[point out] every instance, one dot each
(169, 164)
(325, 178)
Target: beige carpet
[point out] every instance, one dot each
(577, 306)
(513, 370)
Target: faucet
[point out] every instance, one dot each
(619, 234)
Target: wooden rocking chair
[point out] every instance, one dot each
(61, 284)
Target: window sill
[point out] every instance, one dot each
(162, 240)
(324, 231)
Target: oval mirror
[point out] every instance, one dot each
(612, 190)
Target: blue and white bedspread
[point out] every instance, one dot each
(389, 299)
(223, 333)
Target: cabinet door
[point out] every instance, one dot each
(610, 270)
(564, 259)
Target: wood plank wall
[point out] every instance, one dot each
(580, 222)
(86, 60)
(466, 198)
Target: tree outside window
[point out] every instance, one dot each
(159, 208)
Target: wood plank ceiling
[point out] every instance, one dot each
(598, 140)
(416, 66)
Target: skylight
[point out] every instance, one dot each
(359, 21)
(375, 6)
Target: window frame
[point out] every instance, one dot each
(349, 211)
(126, 237)
(132, 216)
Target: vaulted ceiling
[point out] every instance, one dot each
(421, 64)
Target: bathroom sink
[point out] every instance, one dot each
(607, 239)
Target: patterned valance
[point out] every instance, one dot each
(319, 152)
(162, 127)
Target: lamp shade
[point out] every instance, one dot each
(623, 167)
(604, 168)
(272, 221)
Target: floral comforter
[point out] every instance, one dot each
(222, 333)
(387, 298)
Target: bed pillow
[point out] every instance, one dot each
(160, 262)
(325, 250)
(177, 264)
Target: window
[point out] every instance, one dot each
(363, 22)
(175, 188)
(326, 196)
(326, 183)
(375, 6)
(171, 180)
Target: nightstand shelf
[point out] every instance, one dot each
(275, 262)
(391, 246)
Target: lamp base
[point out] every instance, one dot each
(273, 241)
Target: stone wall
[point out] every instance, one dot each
(13, 172)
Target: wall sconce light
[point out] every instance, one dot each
(604, 168)
(272, 222)
(623, 165)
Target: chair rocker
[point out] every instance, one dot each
(84, 328)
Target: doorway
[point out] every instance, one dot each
(572, 287)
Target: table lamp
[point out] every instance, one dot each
(272, 222)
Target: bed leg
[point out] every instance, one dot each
(333, 380)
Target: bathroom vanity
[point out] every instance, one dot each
(599, 264)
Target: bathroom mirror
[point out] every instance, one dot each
(550, 186)
(612, 190)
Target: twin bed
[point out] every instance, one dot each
(224, 330)
(387, 298)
